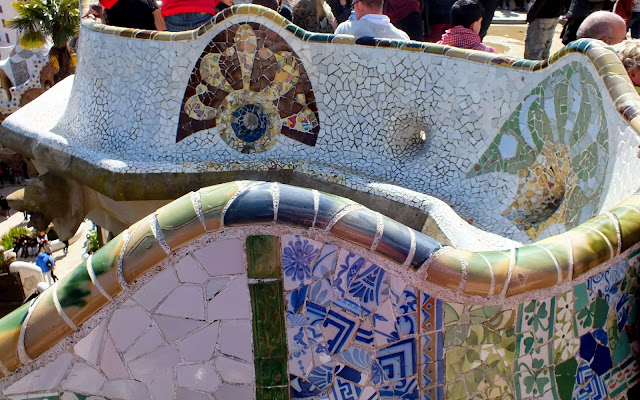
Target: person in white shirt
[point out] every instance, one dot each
(369, 21)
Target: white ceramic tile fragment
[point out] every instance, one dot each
(90, 346)
(84, 379)
(147, 367)
(45, 378)
(162, 387)
(227, 391)
(234, 371)
(186, 301)
(200, 345)
(202, 377)
(157, 289)
(148, 341)
(189, 271)
(188, 394)
(224, 257)
(126, 389)
(110, 362)
(174, 328)
(231, 303)
(236, 339)
(127, 324)
(215, 285)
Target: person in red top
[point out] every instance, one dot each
(466, 19)
(185, 15)
(405, 15)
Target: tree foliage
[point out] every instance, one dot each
(40, 19)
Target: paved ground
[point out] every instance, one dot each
(64, 262)
(507, 31)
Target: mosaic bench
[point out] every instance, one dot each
(330, 299)
(524, 149)
(261, 290)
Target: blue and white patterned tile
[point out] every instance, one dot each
(605, 285)
(364, 334)
(301, 362)
(369, 393)
(326, 261)
(398, 360)
(322, 376)
(401, 389)
(370, 287)
(338, 329)
(300, 388)
(320, 292)
(298, 255)
(407, 324)
(344, 390)
(384, 325)
(357, 358)
(347, 269)
(350, 374)
(588, 386)
(297, 338)
(433, 393)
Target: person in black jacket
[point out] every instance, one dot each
(578, 11)
(543, 17)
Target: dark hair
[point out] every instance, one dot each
(465, 12)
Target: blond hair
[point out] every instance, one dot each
(629, 53)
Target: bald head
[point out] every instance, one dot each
(605, 26)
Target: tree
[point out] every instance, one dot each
(41, 19)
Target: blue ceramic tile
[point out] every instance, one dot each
(326, 262)
(295, 206)
(328, 206)
(371, 286)
(358, 227)
(337, 329)
(425, 247)
(395, 243)
(344, 390)
(602, 360)
(347, 269)
(253, 206)
(298, 253)
(399, 359)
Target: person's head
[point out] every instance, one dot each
(364, 7)
(603, 25)
(272, 4)
(629, 53)
(467, 13)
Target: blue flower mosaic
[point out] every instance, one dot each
(357, 331)
(297, 257)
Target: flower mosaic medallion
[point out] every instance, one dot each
(556, 142)
(251, 86)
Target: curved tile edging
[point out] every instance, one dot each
(605, 61)
(33, 328)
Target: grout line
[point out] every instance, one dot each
(157, 233)
(196, 201)
(58, 306)
(95, 281)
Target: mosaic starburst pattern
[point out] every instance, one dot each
(251, 86)
(556, 142)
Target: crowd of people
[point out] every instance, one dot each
(461, 23)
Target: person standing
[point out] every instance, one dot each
(46, 263)
(405, 15)
(489, 9)
(578, 11)
(543, 17)
(185, 15)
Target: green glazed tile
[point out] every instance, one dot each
(275, 393)
(581, 297)
(600, 313)
(263, 257)
(452, 313)
(271, 371)
(213, 200)
(107, 257)
(456, 335)
(565, 378)
(179, 221)
(268, 319)
(622, 349)
(457, 391)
